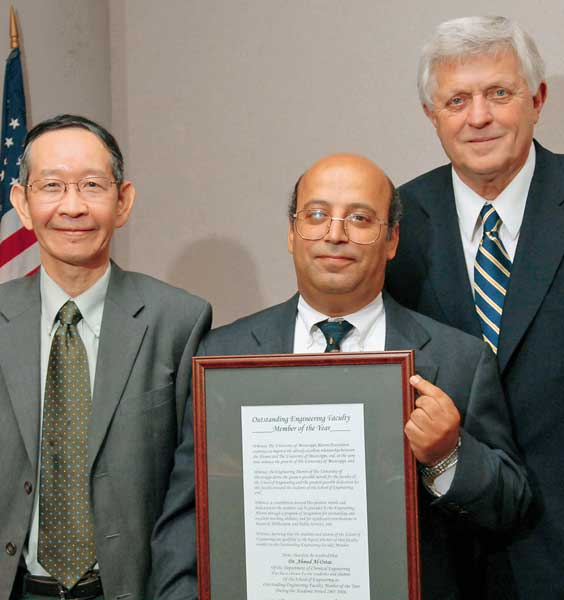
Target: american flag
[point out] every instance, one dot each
(19, 253)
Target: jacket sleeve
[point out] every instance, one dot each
(173, 545)
(490, 486)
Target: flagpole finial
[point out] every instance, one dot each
(14, 40)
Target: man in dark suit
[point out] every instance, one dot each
(343, 230)
(481, 82)
(94, 376)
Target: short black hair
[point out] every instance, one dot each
(66, 122)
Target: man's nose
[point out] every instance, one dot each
(479, 112)
(72, 203)
(336, 233)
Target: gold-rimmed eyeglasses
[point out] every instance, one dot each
(361, 227)
(55, 189)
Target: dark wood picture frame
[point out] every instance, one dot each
(235, 369)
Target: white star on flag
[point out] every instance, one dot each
(19, 252)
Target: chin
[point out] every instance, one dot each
(486, 165)
(336, 288)
(80, 260)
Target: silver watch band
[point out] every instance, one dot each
(429, 474)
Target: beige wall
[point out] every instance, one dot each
(66, 56)
(221, 104)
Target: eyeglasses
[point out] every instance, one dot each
(360, 227)
(54, 189)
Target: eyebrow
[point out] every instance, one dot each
(496, 83)
(351, 206)
(61, 172)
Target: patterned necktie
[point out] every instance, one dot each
(334, 332)
(492, 269)
(66, 534)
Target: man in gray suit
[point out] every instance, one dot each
(343, 229)
(80, 494)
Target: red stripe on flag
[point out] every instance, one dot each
(15, 244)
(33, 271)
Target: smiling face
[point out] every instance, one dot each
(336, 276)
(73, 232)
(484, 115)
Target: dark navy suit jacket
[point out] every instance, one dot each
(429, 275)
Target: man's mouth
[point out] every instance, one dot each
(73, 231)
(337, 259)
(482, 140)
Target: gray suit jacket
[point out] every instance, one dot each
(489, 491)
(149, 333)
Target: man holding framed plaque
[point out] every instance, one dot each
(343, 229)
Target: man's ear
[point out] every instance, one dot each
(539, 99)
(126, 199)
(430, 114)
(18, 198)
(392, 242)
(291, 237)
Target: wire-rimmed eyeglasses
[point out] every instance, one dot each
(360, 227)
(54, 189)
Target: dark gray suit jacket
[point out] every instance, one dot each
(149, 333)
(489, 490)
(429, 275)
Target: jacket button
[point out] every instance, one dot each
(28, 487)
(10, 549)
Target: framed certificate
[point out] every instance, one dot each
(306, 487)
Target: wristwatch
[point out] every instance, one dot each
(430, 473)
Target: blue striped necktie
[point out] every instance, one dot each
(492, 269)
(334, 332)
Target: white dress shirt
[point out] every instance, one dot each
(91, 306)
(367, 335)
(368, 332)
(510, 206)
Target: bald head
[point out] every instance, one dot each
(342, 238)
(347, 163)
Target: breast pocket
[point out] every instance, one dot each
(147, 401)
(144, 430)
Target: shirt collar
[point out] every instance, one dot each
(363, 320)
(510, 204)
(90, 303)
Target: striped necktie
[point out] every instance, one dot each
(492, 269)
(334, 332)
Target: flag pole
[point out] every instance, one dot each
(14, 40)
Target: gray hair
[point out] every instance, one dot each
(66, 122)
(466, 37)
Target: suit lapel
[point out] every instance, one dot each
(20, 359)
(121, 336)
(275, 335)
(539, 253)
(446, 263)
(403, 332)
